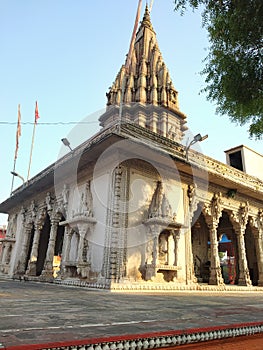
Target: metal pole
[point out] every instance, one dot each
(13, 178)
(31, 151)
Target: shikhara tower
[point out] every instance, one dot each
(145, 89)
(130, 209)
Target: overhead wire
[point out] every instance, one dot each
(49, 123)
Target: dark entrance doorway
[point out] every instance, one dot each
(43, 245)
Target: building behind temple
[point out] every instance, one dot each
(132, 208)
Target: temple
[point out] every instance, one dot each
(132, 209)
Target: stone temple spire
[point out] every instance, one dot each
(146, 84)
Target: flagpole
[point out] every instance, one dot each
(31, 151)
(151, 6)
(13, 178)
(128, 59)
(33, 139)
(18, 134)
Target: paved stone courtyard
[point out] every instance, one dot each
(34, 312)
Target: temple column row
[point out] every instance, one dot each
(244, 276)
(25, 246)
(239, 220)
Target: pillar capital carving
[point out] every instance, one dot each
(40, 219)
(213, 210)
(260, 220)
(23, 214)
(56, 213)
(243, 213)
(82, 228)
(239, 218)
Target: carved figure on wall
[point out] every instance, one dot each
(216, 205)
(86, 199)
(243, 213)
(191, 192)
(166, 207)
(48, 202)
(160, 206)
(33, 210)
(65, 195)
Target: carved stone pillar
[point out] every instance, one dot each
(65, 251)
(239, 221)
(66, 244)
(153, 250)
(21, 266)
(171, 249)
(2, 252)
(5, 250)
(215, 269)
(259, 251)
(244, 278)
(48, 268)
(31, 271)
(155, 247)
(82, 234)
(83, 265)
(193, 205)
(257, 229)
(213, 212)
(176, 237)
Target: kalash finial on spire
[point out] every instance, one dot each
(146, 21)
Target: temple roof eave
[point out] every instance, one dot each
(219, 173)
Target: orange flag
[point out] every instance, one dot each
(36, 113)
(18, 131)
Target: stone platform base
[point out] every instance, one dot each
(146, 287)
(157, 340)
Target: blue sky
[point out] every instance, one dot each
(66, 53)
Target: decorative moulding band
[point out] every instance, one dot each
(151, 340)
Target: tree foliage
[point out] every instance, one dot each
(234, 65)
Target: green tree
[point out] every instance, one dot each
(234, 65)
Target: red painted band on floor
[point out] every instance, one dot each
(128, 337)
